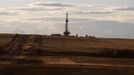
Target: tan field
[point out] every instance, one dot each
(75, 43)
(86, 43)
(64, 63)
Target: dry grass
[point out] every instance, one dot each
(87, 43)
(68, 65)
(73, 43)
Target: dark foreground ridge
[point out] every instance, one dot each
(93, 53)
(61, 65)
(64, 70)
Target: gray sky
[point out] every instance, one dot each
(101, 18)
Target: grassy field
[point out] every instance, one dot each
(74, 43)
(68, 56)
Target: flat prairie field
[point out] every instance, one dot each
(57, 60)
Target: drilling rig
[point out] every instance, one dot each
(66, 33)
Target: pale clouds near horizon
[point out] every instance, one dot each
(101, 18)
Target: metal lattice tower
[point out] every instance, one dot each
(66, 33)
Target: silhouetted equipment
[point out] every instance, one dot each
(86, 36)
(66, 33)
(16, 44)
(56, 34)
(76, 35)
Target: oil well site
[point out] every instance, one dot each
(64, 54)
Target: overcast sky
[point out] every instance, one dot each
(100, 18)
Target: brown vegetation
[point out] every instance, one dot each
(67, 56)
(75, 43)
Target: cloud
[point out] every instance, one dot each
(37, 9)
(102, 28)
(126, 9)
(81, 26)
(48, 19)
(61, 20)
(45, 6)
(8, 13)
(92, 12)
(52, 4)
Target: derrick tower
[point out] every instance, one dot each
(66, 33)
